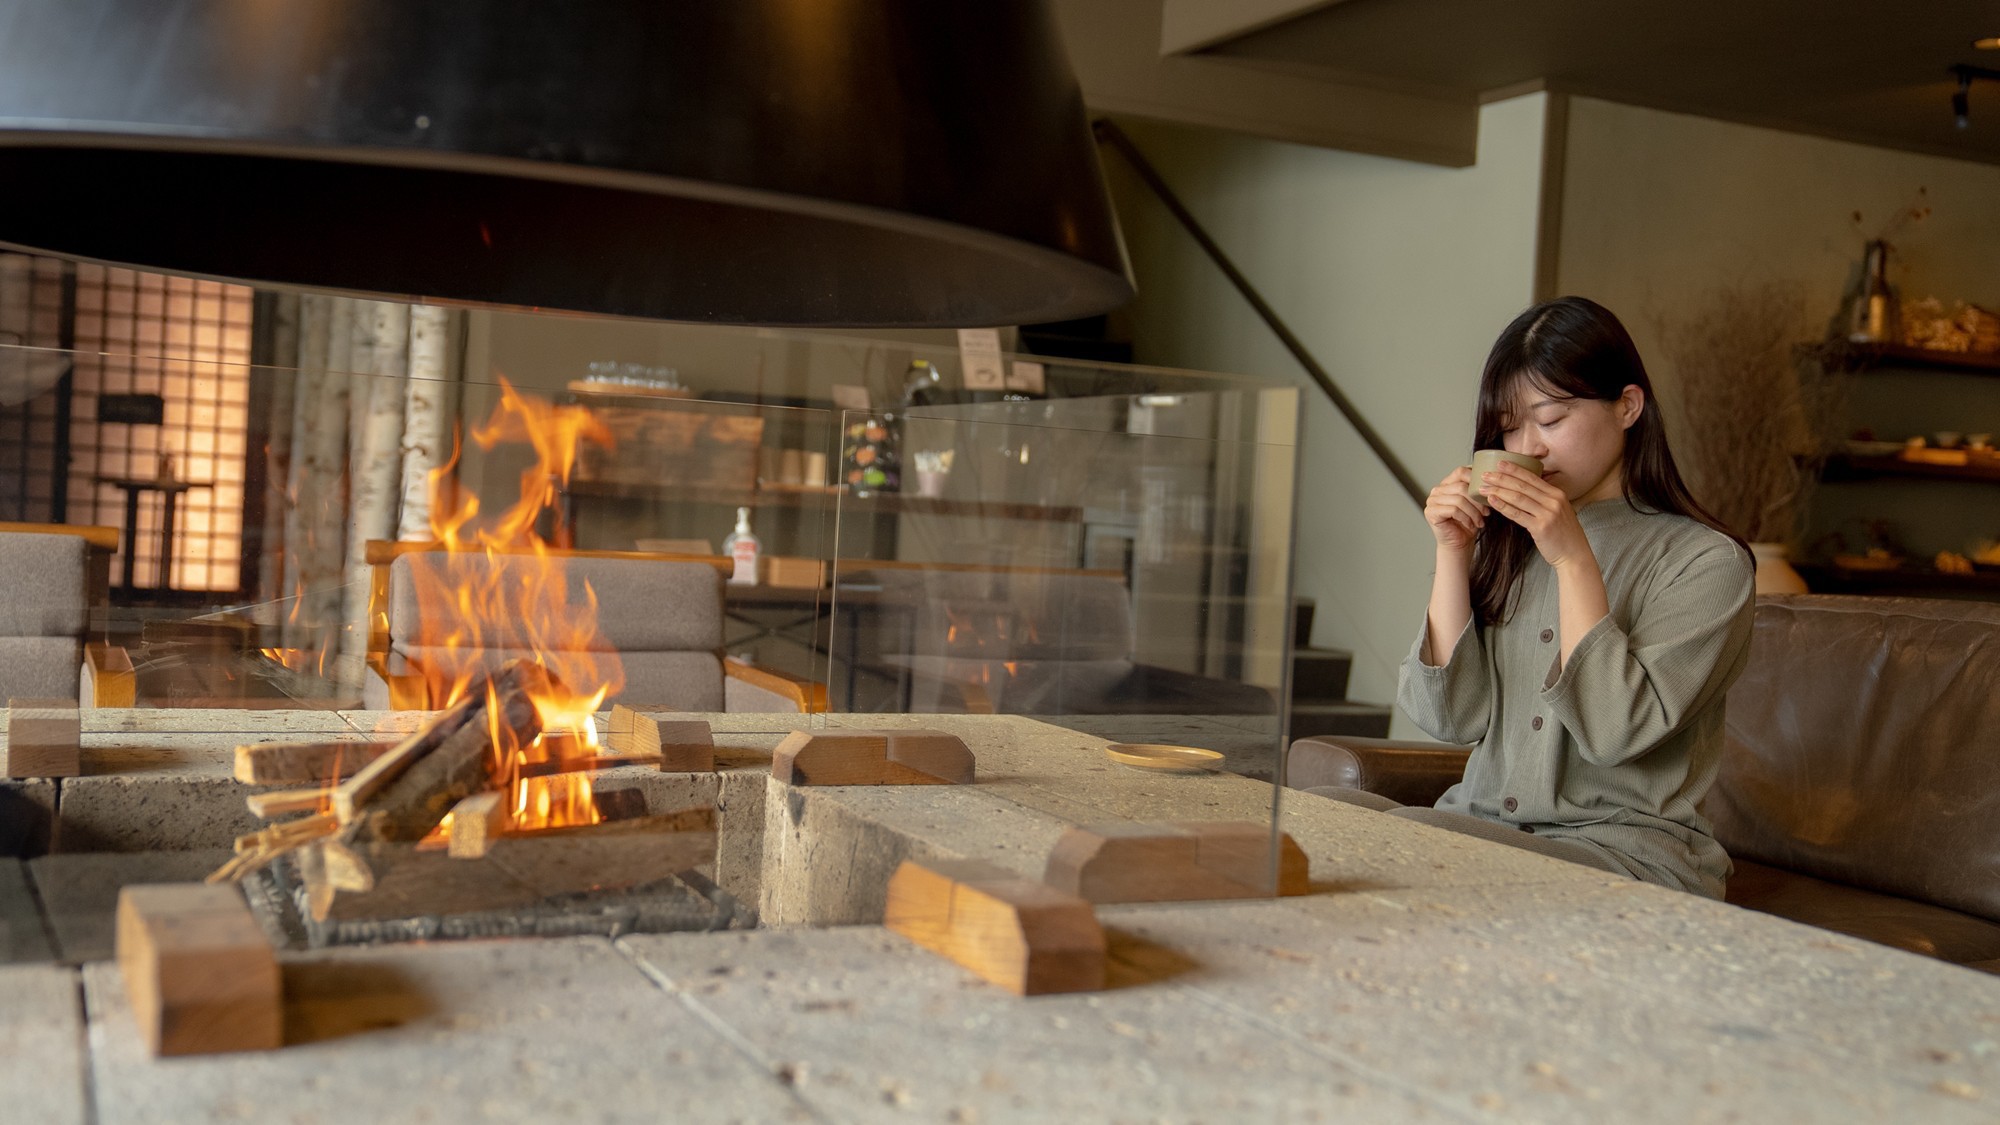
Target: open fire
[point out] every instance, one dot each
(496, 586)
(515, 665)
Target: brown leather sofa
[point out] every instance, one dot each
(1860, 786)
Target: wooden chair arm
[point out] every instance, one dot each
(808, 696)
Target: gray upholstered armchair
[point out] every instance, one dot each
(660, 614)
(49, 575)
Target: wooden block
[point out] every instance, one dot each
(872, 757)
(683, 745)
(1240, 851)
(476, 822)
(1024, 936)
(42, 738)
(305, 763)
(1173, 862)
(200, 975)
(108, 678)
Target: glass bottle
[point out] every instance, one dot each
(1875, 317)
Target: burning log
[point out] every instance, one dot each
(403, 794)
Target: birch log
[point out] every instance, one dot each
(382, 338)
(319, 448)
(282, 377)
(426, 412)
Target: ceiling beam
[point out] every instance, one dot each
(1112, 47)
(1187, 26)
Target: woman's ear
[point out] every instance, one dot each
(1631, 403)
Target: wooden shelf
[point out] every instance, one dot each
(895, 503)
(1915, 579)
(1849, 467)
(1864, 356)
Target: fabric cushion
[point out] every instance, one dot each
(683, 681)
(1914, 926)
(642, 604)
(1863, 747)
(43, 585)
(40, 668)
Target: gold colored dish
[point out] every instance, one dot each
(1161, 758)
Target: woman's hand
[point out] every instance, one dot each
(1455, 518)
(1543, 510)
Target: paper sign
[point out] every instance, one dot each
(848, 396)
(979, 351)
(1026, 376)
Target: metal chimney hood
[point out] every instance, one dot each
(784, 162)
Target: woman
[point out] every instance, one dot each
(1586, 637)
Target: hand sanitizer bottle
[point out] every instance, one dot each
(742, 548)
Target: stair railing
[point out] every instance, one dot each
(1114, 138)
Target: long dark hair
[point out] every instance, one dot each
(1575, 348)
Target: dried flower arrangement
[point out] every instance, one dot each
(1752, 413)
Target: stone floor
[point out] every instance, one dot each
(1428, 977)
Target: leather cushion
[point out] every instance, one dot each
(1913, 926)
(1863, 747)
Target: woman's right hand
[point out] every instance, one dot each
(1455, 518)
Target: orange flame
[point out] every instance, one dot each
(495, 591)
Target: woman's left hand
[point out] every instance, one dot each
(1542, 509)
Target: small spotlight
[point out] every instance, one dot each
(1990, 43)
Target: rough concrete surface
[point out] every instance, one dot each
(1431, 976)
(79, 892)
(24, 939)
(559, 1030)
(867, 1027)
(41, 1046)
(27, 817)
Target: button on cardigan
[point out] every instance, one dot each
(1636, 732)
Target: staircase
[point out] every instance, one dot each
(1319, 688)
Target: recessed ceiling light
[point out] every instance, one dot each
(1990, 43)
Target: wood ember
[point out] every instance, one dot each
(403, 879)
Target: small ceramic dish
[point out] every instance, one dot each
(1160, 758)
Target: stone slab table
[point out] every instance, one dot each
(1429, 977)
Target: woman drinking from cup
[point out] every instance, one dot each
(1586, 619)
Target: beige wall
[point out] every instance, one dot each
(1660, 208)
(1397, 276)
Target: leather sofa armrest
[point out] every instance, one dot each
(1409, 773)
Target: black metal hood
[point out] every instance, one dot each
(785, 162)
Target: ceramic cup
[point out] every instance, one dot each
(1488, 460)
(1946, 439)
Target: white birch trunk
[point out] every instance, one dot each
(282, 377)
(426, 415)
(320, 449)
(381, 338)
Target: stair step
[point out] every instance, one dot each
(1319, 675)
(1362, 720)
(1302, 622)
